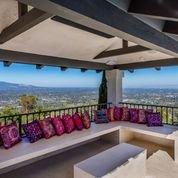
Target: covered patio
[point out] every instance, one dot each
(103, 35)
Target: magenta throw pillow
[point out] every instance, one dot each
(86, 120)
(77, 121)
(47, 128)
(154, 119)
(33, 131)
(125, 114)
(68, 123)
(117, 113)
(134, 116)
(10, 135)
(58, 125)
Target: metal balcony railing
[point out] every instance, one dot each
(29, 117)
(169, 114)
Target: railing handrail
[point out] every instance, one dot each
(154, 105)
(54, 110)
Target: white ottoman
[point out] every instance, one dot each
(121, 161)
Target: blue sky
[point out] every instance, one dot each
(48, 76)
(167, 77)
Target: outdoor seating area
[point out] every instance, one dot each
(112, 138)
(115, 131)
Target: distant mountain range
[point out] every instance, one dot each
(6, 86)
(14, 86)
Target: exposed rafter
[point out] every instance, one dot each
(41, 60)
(171, 27)
(81, 27)
(24, 23)
(148, 64)
(164, 9)
(22, 9)
(122, 51)
(102, 15)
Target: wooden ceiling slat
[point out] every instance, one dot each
(122, 51)
(24, 23)
(104, 16)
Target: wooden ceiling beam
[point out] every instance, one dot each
(22, 9)
(42, 60)
(24, 23)
(122, 51)
(148, 64)
(102, 15)
(164, 9)
(171, 27)
(81, 27)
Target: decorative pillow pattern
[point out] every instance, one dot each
(68, 123)
(110, 114)
(117, 113)
(154, 119)
(33, 131)
(47, 128)
(125, 114)
(77, 121)
(86, 120)
(10, 135)
(134, 115)
(142, 116)
(1, 143)
(58, 125)
(101, 116)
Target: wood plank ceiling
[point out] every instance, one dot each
(107, 18)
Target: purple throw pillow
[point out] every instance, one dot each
(10, 135)
(154, 119)
(134, 115)
(117, 113)
(33, 131)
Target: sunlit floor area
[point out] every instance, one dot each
(151, 147)
(161, 165)
(59, 166)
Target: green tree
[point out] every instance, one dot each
(9, 110)
(28, 103)
(103, 90)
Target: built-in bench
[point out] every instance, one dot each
(124, 160)
(118, 132)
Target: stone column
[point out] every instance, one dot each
(114, 84)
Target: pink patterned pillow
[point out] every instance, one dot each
(1, 143)
(154, 119)
(58, 125)
(117, 113)
(68, 123)
(47, 128)
(10, 135)
(77, 121)
(86, 120)
(142, 116)
(134, 115)
(110, 114)
(125, 114)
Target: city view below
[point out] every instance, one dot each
(13, 96)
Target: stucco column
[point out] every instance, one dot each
(114, 84)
